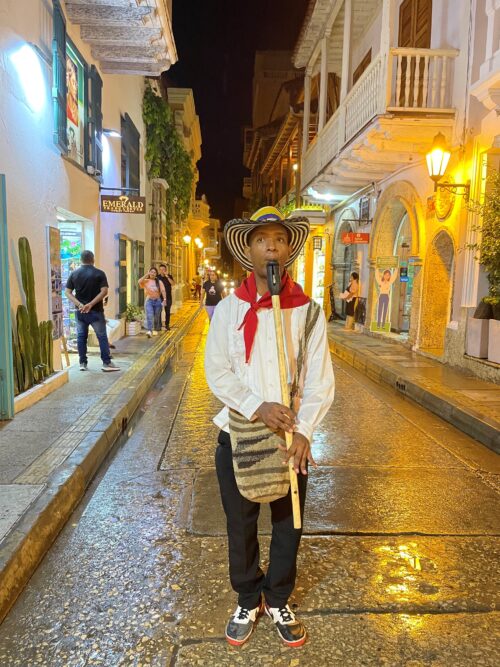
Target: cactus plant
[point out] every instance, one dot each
(29, 290)
(46, 347)
(25, 347)
(18, 367)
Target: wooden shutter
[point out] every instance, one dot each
(130, 154)
(422, 24)
(122, 274)
(94, 131)
(415, 23)
(59, 78)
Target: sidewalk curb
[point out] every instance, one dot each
(26, 544)
(485, 431)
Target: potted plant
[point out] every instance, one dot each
(133, 318)
(483, 330)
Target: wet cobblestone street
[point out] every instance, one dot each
(399, 564)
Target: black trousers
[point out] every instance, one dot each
(168, 306)
(247, 579)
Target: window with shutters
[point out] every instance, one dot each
(123, 278)
(77, 96)
(130, 155)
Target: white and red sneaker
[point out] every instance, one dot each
(289, 628)
(241, 624)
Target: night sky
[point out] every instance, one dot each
(216, 43)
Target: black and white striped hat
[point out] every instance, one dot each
(236, 233)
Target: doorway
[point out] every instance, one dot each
(403, 289)
(76, 234)
(415, 25)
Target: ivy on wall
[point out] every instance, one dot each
(165, 154)
(488, 246)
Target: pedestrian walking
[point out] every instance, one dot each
(168, 282)
(212, 293)
(351, 296)
(242, 370)
(197, 286)
(156, 298)
(87, 287)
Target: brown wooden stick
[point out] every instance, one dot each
(285, 399)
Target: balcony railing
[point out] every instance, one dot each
(423, 79)
(405, 80)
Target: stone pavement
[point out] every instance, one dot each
(470, 404)
(399, 564)
(50, 451)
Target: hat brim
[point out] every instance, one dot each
(236, 236)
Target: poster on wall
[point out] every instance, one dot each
(55, 284)
(74, 106)
(70, 248)
(386, 272)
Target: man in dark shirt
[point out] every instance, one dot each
(86, 288)
(168, 281)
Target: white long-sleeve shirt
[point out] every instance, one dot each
(244, 387)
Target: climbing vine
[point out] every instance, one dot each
(488, 246)
(166, 156)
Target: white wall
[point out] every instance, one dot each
(38, 178)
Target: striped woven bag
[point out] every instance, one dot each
(257, 461)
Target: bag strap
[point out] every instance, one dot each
(312, 315)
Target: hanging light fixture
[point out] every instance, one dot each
(186, 238)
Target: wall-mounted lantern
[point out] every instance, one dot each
(437, 162)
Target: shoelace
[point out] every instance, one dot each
(286, 615)
(243, 614)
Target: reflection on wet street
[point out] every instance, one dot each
(399, 564)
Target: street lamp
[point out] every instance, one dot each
(437, 161)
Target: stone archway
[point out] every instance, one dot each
(437, 293)
(343, 258)
(398, 203)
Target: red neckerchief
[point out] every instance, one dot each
(291, 296)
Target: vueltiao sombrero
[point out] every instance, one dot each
(236, 233)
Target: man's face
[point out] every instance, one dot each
(163, 270)
(266, 243)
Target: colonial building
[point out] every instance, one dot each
(396, 77)
(72, 149)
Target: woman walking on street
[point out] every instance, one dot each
(212, 292)
(351, 299)
(156, 299)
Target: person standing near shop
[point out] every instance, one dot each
(242, 370)
(212, 292)
(86, 288)
(156, 298)
(351, 299)
(168, 282)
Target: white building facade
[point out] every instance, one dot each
(391, 75)
(72, 79)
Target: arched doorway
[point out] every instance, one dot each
(396, 232)
(437, 293)
(343, 260)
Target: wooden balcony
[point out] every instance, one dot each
(386, 120)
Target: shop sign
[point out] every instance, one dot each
(355, 237)
(403, 274)
(123, 204)
(387, 262)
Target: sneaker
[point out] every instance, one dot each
(84, 366)
(149, 334)
(107, 368)
(241, 624)
(290, 629)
